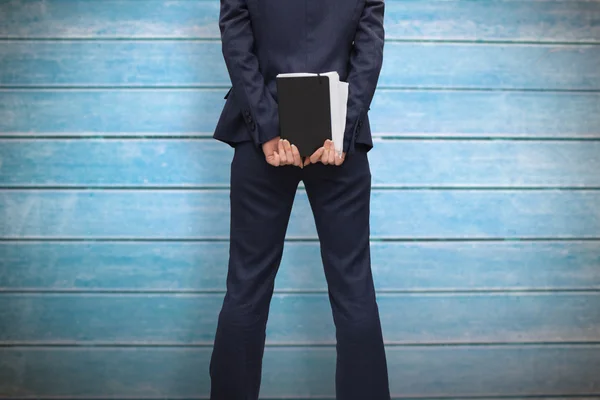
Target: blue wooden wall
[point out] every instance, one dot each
(114, 204)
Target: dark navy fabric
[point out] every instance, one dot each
(262, 38)
(261, 203)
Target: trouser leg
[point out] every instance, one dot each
(261, 202)
(340, 200)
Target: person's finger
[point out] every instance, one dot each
(296, 156)
(270, 160)
(331, 155)
(270, 156)
(339, 160)
(316, 156)
(276, 159)
(289, 156)
(281, 151)
(325, 155)
(306, 161)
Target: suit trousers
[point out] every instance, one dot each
(261, 201)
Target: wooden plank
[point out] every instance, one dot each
(486, 114)
(405, 163)
(115, 162)
(413, 214)
(175, 63)
(112, 63)
(108, 112)
(547, 21)
(494, 20)
(299, 318)
(397, 113)
(397, 266)
(109, 19)
(301, 372)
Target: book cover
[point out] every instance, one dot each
(312, 109)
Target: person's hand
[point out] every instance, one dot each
(326, 154)
(279, 152)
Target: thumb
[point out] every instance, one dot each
(275, 160)
(271, 155)
(317, 155)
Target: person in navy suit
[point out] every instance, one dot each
(260, 39)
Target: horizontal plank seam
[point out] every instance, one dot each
(300, 189)
(593, 290)
(378, 136)
(217, 39)
(225, 87)
(394, 397)
(458, 137)
(297, 239)
(389, 344)
(376, 187)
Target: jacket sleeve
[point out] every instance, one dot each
(259, 108)
(366, 60)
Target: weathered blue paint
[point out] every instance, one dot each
(496, 20)
(486, 253)
(415, 113)
(395, 214)
(200, 163)
(415, 318)
(423, 65)
(417, 371)
(419, 266)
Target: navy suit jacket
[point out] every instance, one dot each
(262, 38)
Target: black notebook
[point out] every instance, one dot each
(312, 109)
